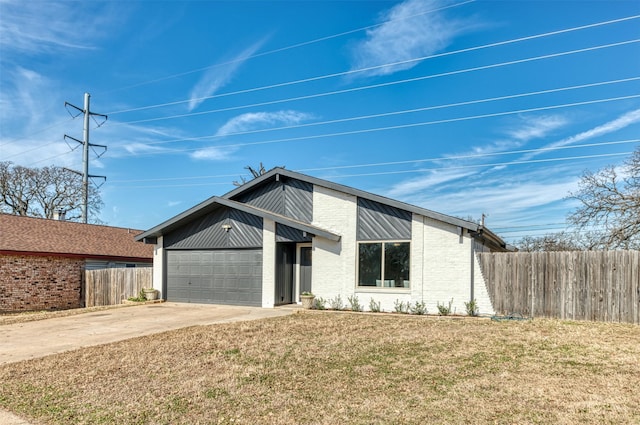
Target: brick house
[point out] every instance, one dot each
(42, 261)
(284, 233)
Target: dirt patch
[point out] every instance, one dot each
(341, 368)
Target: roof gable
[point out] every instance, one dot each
(44, 236)
(212, 203)
(262, 184)
(276, 173)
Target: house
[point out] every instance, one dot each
(42, 261)
(285, 233)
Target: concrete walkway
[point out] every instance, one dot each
(23, 341)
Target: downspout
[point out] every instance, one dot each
(424, 231)
(473, 253)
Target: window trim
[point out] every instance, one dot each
(364, 288)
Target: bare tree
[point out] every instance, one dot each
(255, 172)
(560, 241)
(41, 192)
(608, 216)
(610, 204)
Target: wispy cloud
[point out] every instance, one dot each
(619, 123)
(248, 122)
(432, 179)
(49, 27)
(506, 198)
(534, 127)
(407, 33)
(218, 76)
(254, 120)
(214, 153)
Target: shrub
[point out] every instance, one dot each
(445, 310)
(319, 303)
(354, 303)
(419, 308)
(374, 306)
(401, 307)
(141, 297)
(336, 303)
(471, 307)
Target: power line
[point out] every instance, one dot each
(36, 132)
(413, 125)
(407, 111)
(498, 164)
(281, 49)
(372, 68)
(392, 83)
(408, 161)
(532, 161)
(479, 155)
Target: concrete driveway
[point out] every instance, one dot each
(22, 341)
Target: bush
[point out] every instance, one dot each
(445, 310)
(374, 306)
(418, 308)
(471, 307)
(401, 307)
(336, 303)
(354, 303)
(319, 303)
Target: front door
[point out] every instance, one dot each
(285, 256)
(305, 269)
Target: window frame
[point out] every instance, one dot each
(382, 266)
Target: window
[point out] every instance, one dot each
(388, 259)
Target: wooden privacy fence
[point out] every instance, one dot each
(112, 286)
(584, 285)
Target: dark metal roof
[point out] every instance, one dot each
(352, 191)
(211, 203)
(275, 174)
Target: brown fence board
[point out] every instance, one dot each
(112, 286)
(583, 285)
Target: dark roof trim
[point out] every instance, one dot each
(211, 203)
(352, 191)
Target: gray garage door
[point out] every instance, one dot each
(215, 277)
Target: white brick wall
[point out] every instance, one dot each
(268, 263)
(334, 263)
(158, 265)
(447, 267)
(441, 260)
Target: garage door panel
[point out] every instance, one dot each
(215, 277)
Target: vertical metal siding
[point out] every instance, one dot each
(298, 200)
(203, 232)
(207, 232)
(289, 234)
(378, 221)
(289, 197)
(268, 196)
(246, 230)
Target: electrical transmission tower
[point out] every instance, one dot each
(85, 152)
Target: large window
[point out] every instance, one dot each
(388, 259)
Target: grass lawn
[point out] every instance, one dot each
(342, 368)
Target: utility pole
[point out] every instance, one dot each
(85, 152)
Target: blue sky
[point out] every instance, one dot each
(464, 107)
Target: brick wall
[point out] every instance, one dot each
(29, 283)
